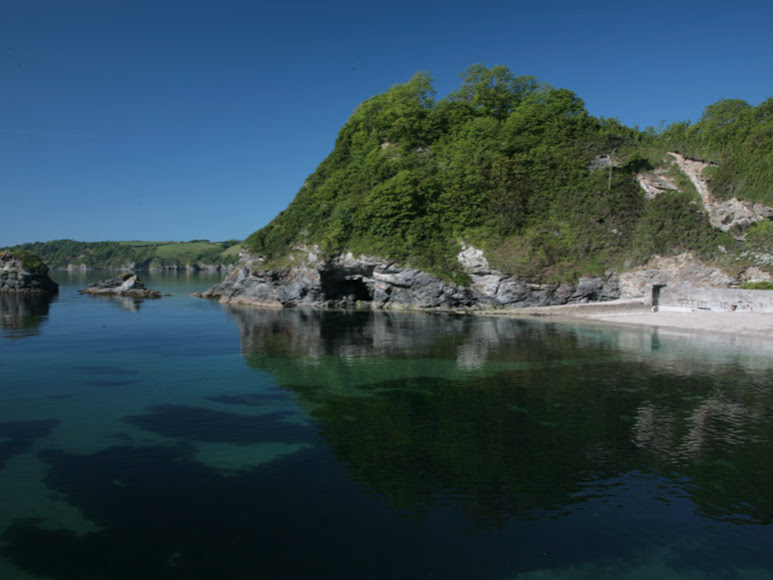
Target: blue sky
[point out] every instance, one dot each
(188, 119)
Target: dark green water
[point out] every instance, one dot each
(180, 439)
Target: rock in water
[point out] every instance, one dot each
(125, 285)
(24, 272)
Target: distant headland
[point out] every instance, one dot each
(135, 255)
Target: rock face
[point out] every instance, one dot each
(348, 281)
(127, 285)
(733, 215)
(656, 182)
(683, 270)
(22, 272)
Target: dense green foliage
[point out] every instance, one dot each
(521, 170)
(739, 138)
(29, 260)
(106, 255)
(757, 286)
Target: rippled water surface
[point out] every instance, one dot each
(177, 438)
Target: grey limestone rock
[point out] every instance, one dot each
(348, 281)
(126, 285)
(17, 276)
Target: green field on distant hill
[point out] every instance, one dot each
(134, 254)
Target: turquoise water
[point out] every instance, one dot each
(177, 438)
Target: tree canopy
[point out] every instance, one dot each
(506, 163)
(739, 138)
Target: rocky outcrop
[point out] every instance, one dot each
(492, 287)
(732, 215)
(683, 270)
(127, 285)
(23, 272)
(656, 182)
(348, 281)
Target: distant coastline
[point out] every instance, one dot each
(225, 268)
(142, 256)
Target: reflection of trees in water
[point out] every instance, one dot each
(125, 303)
(467, 341)
(715, 422)
(346, 334)
(510, 417)
(22, 314)
(717, 436)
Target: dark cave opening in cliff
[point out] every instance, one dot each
(344, 289)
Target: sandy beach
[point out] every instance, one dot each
(748, 324)
(635, 313)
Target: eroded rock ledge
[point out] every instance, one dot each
(24, 273)
(348, 281)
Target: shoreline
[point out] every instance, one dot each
(637, 313)
(744, 324)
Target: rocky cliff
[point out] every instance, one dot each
(24, 272)
(732, 215)
(348, 281)
(363, 282)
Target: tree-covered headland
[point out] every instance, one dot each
(521, 170)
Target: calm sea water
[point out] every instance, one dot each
(180, 439)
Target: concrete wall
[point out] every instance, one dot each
(718, 299)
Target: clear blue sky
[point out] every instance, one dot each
(175, 120)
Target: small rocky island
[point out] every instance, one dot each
(125, 285)
(24, 273)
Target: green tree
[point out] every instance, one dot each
(400, 115)
(494, 92)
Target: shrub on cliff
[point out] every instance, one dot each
(29, 261)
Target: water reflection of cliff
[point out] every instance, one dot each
(511, 418)
(21, 315)
(125, 303)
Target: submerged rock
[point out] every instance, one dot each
(125, 285)
(24, 272)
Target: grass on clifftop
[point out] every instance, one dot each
(29, 260)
